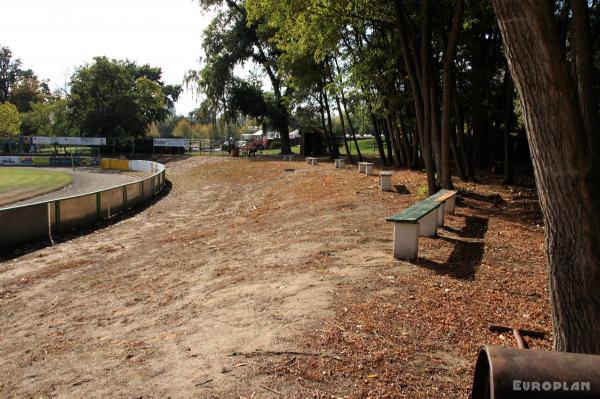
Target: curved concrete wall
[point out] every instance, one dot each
(19, 224)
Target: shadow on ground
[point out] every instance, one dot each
(468, 250)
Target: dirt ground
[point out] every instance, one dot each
(269, 280)
(85, 180)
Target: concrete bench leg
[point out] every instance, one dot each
(369, 170)
(361, 168)
(386, 183)
(313, 161)
(449, 204)
(440, 215)
(339, 163)
(406, 240)
(428, 224)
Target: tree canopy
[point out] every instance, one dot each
(111, 98)
(10, 122)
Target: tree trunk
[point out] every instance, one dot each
(282, 119)
(360, 157)
(456, 157)
(378, 139)
(426, 93)
(567, 168)
(414, 76)
(445, 172)
(393, 140)
(460, 135)
(584, 67)
(508, 113)
(346, 146)
(388, 141)
(333, 151)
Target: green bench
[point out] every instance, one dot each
(420, 219)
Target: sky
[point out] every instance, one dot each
(54, 37)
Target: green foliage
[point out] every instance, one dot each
(10, 121)
(229, 41)
(119, 98)
(422, 192)
(50, 118)
(183, 129)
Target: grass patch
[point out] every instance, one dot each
(17, 184)
(367, 147)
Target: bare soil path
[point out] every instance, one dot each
(245, 256)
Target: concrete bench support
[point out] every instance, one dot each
(406, 240)
(420, 219)
(289, 157)
(340, 163)
(446, 199)
(366, 168)
(428, 224)
(440, 215)
(311, 160)
(449, 205)
(385, 180)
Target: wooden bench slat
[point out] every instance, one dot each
(415, 212)
(446, 196)
(442, 195)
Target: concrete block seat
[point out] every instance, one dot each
(385, 180)
(340, 163)
(447, 199)
(366, 168)
(290, 157)
(312, 160)
(420, 219)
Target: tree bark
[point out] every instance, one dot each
(426, 93)
(388, 121)
(333, 151)
(567, 168)
(445, 172)
(460, 135)
(584, 67)
(508, 114)
(346, 146)
(414, 76)
(378, 139)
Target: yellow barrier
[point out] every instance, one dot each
(120, 164)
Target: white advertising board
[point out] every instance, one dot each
(68, 140)
(185, 143)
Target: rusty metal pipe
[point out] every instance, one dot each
(508, 373)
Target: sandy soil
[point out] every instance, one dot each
(85, 180)
(286, 259)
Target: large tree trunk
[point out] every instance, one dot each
(584, 67)
(283, 118)
(415, 77)
(567, 168)
(445, 172)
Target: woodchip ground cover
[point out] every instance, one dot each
(273, 279)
